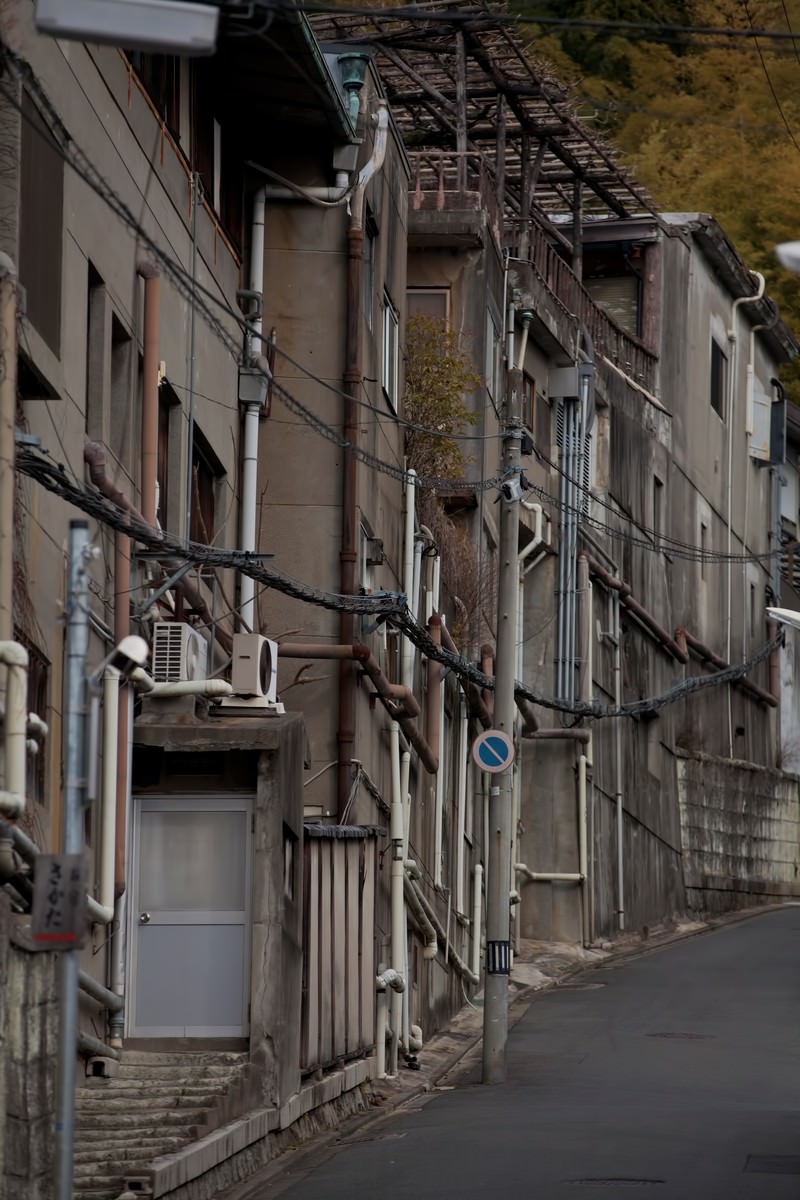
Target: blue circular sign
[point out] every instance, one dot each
(493, 751)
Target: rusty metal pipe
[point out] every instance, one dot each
(705, 654)
(575, 735)
(361, 654)
(487, 666)
(475, 703)
(642, 615)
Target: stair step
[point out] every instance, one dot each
(185, 1118)
(158, 1072)
(212, 1058)
(146, 1105)
(167, 1087)
(143, 1149)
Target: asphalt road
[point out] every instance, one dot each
(675, 1076)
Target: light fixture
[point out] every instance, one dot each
(788, 255)
(787, 616)
(166, 26)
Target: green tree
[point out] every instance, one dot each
(439, 377)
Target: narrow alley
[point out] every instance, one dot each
(674, 1075)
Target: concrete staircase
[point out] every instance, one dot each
(156, 1103)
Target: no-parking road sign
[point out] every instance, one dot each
(493, 751)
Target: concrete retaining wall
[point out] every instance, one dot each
(740, 833)
(28, 1052)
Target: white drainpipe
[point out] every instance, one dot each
(461, 803)
(104, 912)
(397, 900)
(247, 536)
(387, 979)
(12, 797)
(477, 908)
(182, 687)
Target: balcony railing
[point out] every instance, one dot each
(447, 181)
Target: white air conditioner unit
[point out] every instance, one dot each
(254, 672)
(179, 652)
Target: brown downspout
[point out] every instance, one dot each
(476, 706)
(348, 554)
(487, 666)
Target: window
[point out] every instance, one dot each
(161, 76)
(493, 358)
(41, 214)
(703, 548)
(429, 302)
(37, 702)
(528, 401)
(719, 378)
(167, 406)
(370, 237)
(391, 351)
(207, 471)
(658, 510)
(120, 389)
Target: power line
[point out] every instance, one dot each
(770, 84)
(391, 607)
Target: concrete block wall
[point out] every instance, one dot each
(28, 1054)
(740, 833)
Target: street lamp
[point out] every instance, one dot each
(160, 26)
(787, 616)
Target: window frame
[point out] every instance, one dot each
(718, 378)
(390, 352)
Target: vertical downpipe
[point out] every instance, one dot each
(77, 647)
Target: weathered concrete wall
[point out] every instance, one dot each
(740, 832)
(28, 1051)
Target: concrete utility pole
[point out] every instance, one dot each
(77, 649)
(8, 413)
(501, 808)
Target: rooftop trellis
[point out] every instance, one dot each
(471, 84)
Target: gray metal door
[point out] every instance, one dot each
(189, 917)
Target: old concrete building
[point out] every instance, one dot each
(219, 345)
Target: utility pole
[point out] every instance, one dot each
(501, 808)
(72, 841)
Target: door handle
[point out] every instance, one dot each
(144, 918)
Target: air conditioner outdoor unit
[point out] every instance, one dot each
(254, 671)
(179, 652)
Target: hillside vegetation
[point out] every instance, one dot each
(708, 124)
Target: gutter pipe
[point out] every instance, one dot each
(396, 897)
(351, 386)
(252, 410)
(12, 798)
(477, 898)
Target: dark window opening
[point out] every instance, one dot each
(120, 389)
(207, 471)
(37, 702)
(719, 371)
(95, 355)
(41, 215)
(160, 75)
(612, 277)
(167, 406)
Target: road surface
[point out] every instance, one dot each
(674, 1076)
